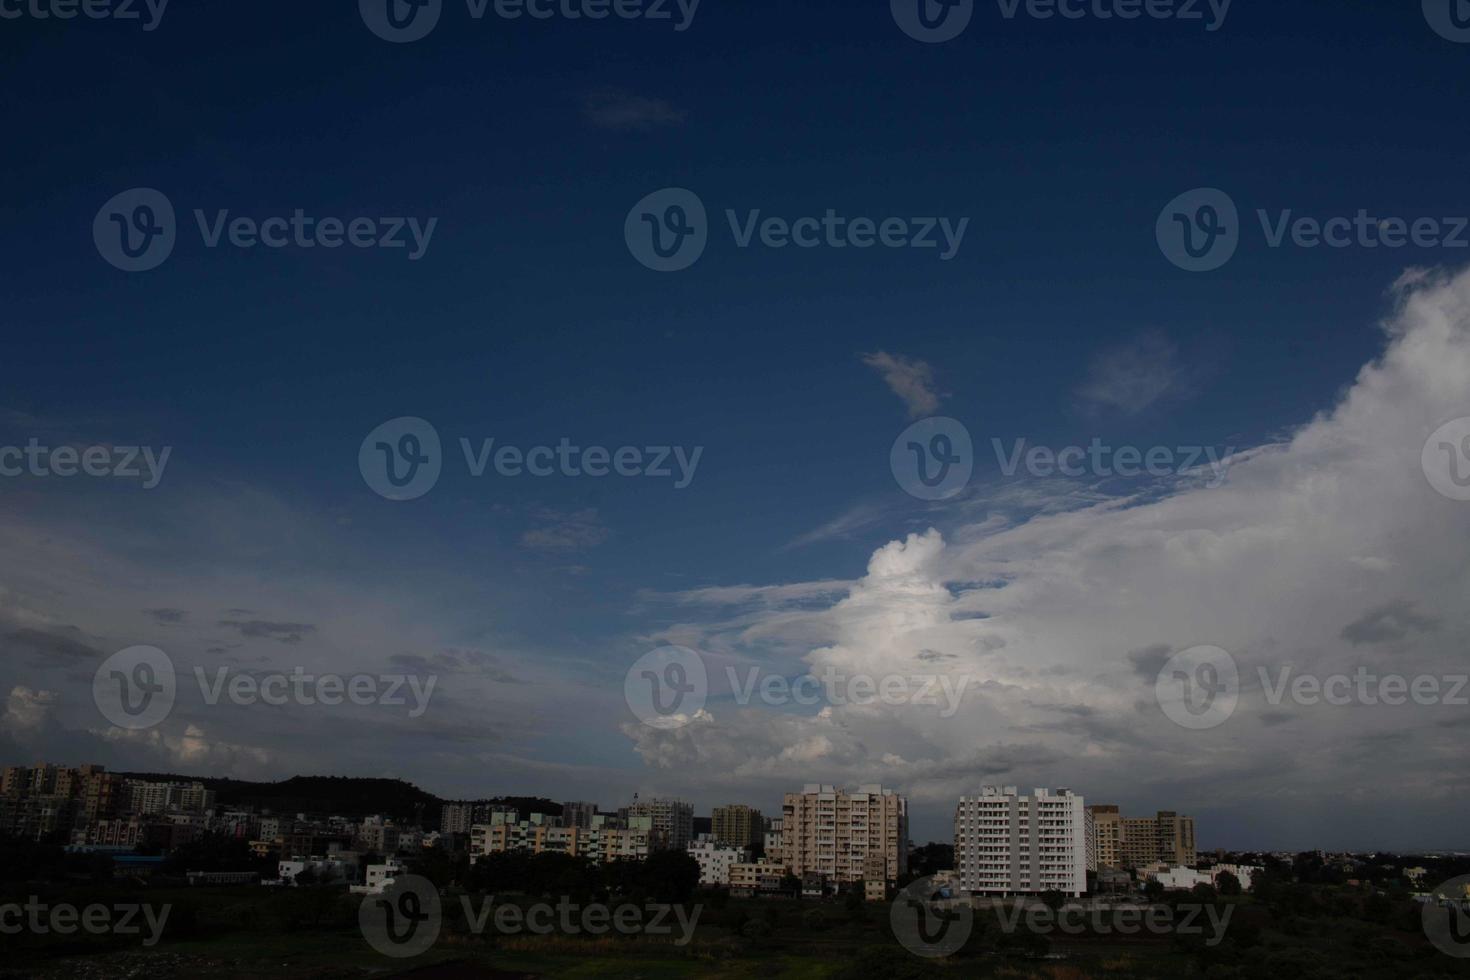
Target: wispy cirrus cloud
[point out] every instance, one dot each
(615, 109)
(1130, 377)
(911, 379)
(565, 531)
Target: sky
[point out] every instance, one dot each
(522, 163)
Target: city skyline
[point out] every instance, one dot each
(476, 368)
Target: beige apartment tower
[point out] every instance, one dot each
(845, 836)
(737, 825)
(1107, 831)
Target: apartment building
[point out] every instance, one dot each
(152, 798)
(737, 825)
(578, 813)
(48, 801)
(772, 837)
(458, 817)
(539, 835)
(1009, 843)
(757, 877)
(716, 859)
(672, 819)
(1167, 837)
(377, 834)
(1107, 834)
(835, 832)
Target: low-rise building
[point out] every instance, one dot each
(715, 860)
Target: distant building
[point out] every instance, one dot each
(835, 832)
(737, 825)
(672, 819)
(1009, 843)
(578, 814)
(715, 860)
(379, 877)
(540, 834)
(459, 816)
(1107, 836)
(1166, 837)
(772, 837)
(756, 878)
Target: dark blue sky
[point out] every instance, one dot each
(528, 319)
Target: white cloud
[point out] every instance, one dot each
(910, 379)
(26, 710)
(1061, 640)
(1131, 377)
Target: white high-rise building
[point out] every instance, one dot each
(1006, 843)
(715, 860)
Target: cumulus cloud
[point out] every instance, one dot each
(912, 380)
(26, 710)
(195, 751)
(1334, 524)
